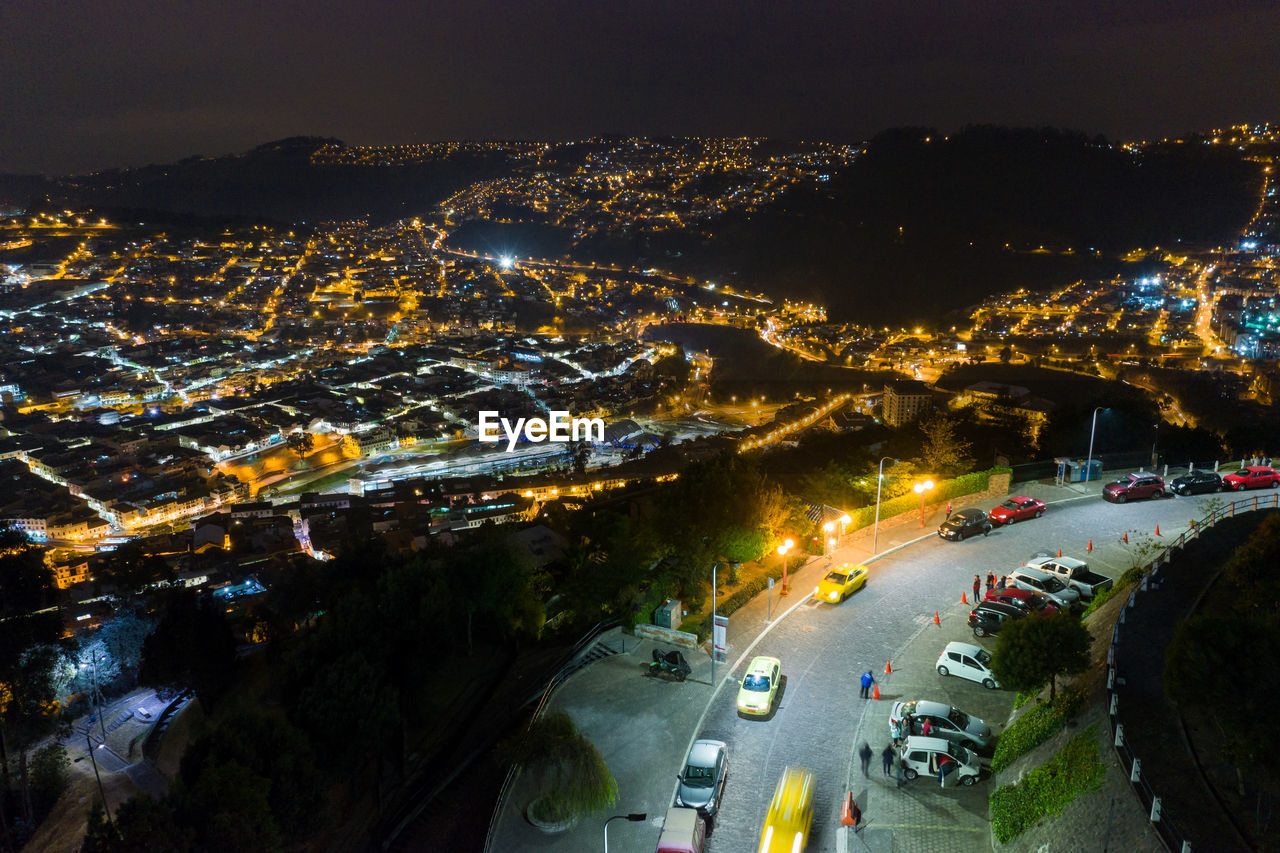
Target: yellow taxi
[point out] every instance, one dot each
(786, 826)
(841, 583)
(759, 686)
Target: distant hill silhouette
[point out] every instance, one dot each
(275, 182)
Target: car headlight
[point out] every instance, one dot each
(816, 590)
(834, 596)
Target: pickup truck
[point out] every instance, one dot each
(1072, 572)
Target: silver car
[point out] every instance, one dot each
(945, 721)
(705, 772)
(1036, 580)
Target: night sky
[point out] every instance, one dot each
(86, 85)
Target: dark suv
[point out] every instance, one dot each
(1134, 487)
(988, 616)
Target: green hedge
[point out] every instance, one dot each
(965, 484)
(1048, 789)
(744, 593)
(1126, 580)
(1035, 727)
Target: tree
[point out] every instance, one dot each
(571, 777)
(301, 443)
(192, 646)
(1037, 649)
(49, 777)
(1252, 571)
(943, 453)
(1006, 354)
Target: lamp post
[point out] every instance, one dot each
(1088, 466)
(631, 817)
(875, 531)
(921, 489)
(733, 564)
(828, 543)
(783, 549)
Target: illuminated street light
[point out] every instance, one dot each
(782, 550)
(875, 530)
(921, 489)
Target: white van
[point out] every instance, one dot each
(922, 756)
(967, 661)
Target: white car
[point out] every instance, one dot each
(922, 756)
(1040, 581)
(945, 722)
(967, 661)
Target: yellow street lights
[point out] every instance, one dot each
(921, 489)
(782, 551)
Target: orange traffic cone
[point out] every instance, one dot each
(1126, 537)
(936, 620)
(963, 600)
(887, 669)
(850, 814)
(1059, 552)
(1090, 548)
(875, 693)
(1157, 530)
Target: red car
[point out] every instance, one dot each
(1018, 508)
(1252, 477)
(1133, 487)
(1024, 598)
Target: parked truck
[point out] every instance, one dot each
(1072, 572)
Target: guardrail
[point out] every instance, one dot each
(573, 662)
(1161, 819)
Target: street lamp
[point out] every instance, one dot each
(828, 542)
(630, 817)
(1088, 466)
(875, 531)
(733, 564)
(782, 550)
(920, 489)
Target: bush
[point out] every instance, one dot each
(1035, 727)
(965, 484)
(1126, 580)
(1047, 790)
(745, 593)
(49, 777)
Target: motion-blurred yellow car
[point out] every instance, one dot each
(840, 583)
(760, 686)
(786, 826)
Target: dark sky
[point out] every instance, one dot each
(85, 85)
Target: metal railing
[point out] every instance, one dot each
(1161, 819)
(573, 662)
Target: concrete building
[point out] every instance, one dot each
(906, 400)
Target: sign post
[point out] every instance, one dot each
(720, 638)
(768, 614)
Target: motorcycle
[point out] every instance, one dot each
(670, 663)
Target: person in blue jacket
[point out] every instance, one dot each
(867, 681)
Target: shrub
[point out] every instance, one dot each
(1047, 790)
(1035, 727)
(1126, 580)
(741, 596)
(958, 487)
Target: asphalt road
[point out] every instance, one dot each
(824, 649)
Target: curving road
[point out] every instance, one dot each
(824, 649)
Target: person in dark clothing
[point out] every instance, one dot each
(867, 681)
(977, 586)
(991, 581)
(886, 758)
(864, 754)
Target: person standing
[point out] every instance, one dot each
(898, 769)
(926, 726)
(895, 731)
(948, 510)
(864, 754)
(991, 581)
(977, 585)
(886, 758)
(867, 681)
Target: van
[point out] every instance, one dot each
(922, 756)
(683, 831)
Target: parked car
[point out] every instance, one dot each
(1032, 602)
(945, 721)
(683, 831)
(760, 686)
(1252, 477)
(1196, 482)
(790, 815)
(1134, 487)
(1016, 509)
(702, 781)
(841, 583)
(988, 616)
(967, 661)
(1042, 582)
(922, 756)
(1074, 573)
(964, 523)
